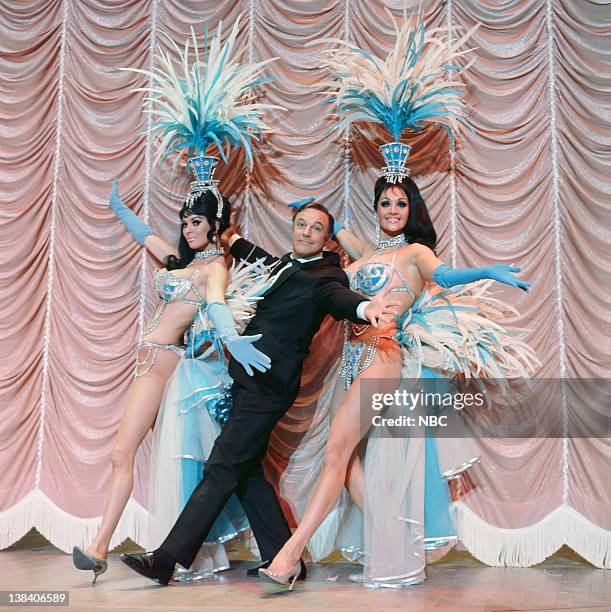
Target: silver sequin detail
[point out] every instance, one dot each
(372, 277)
(391, 242)
(171, 288)
(144, 367)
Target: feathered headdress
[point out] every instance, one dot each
(210, 104)
(408, 91)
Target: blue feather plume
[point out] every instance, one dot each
(409, 90)
(210, 104)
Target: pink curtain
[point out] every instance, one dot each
(528, 185)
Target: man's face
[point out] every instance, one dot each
(310, 232)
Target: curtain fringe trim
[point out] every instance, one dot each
(65, 530)
(530, 545)
(491, 545)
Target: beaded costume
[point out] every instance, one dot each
(209, 105)
(196, 403)
(441, 335)
(361, 341)
(171, 289)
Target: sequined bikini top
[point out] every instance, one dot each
(374, 275)
(171, 289)
(174, 288)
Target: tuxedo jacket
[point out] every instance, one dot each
(289, 315)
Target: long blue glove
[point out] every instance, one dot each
(448, 277)
(300, 203)
(135, 226)
(336, 228)
(241, 347)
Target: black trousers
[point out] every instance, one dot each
(234, 465)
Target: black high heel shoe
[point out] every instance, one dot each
(83, 561)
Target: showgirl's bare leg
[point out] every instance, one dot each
(139, 416)
(355, 476)
(345, 433)
(355, 480)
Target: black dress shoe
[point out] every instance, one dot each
(146, 565)
(253, 572)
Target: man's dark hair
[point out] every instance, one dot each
(322, 209)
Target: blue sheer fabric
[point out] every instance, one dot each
(439, 527)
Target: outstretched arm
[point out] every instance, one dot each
(241, 347)
(432, 268)
(354, 246)
(140, 230)
(335, 298)
(242, 249)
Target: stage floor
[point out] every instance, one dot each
(457, 583)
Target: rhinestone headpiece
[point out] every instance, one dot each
(202, 168)
(395, 155)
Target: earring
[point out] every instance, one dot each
(377, 223)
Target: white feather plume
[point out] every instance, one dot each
(410, 89)
(461, 331)
(211, 102)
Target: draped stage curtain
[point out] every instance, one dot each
(529, 184)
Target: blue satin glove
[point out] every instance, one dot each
(241, 347)
(301, 203)
(336, 228)
(135, 226)
(448, 277)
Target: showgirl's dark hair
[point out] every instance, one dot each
(205, 205)
(419, 227)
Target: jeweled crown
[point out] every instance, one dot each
(395, 155)
(202, 168)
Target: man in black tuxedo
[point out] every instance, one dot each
(310, 286)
